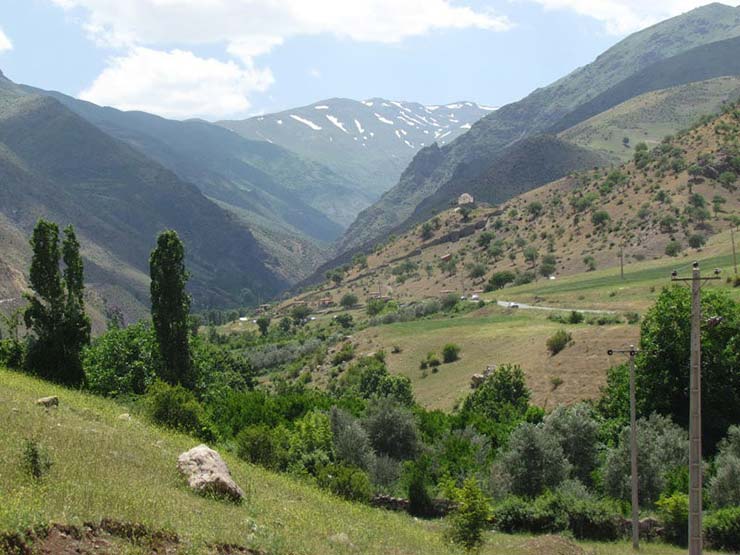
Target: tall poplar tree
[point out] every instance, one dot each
(170, 308)
(56, 309)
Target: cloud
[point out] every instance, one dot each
(621, 17)
(177, 84)
(5, 43)
(152, 22)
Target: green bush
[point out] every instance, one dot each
(499, 280)
(348, 300)
(722, 529)
(558, 341)
(177, 408)
(35, 460)
(585, 517)
(450, 353)
(576, 317)
(122, 361)
(11, 353)
(346, 481)
(420, 502)
(673, 248)
(674, 512)
(345, 354)
(261, 445)
(471, 516)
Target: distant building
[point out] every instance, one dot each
(465, 198)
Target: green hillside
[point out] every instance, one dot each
(473, 152)
(651, 116)
(55, 164)
(124, 470)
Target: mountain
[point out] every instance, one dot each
(666, 202)
(651, 116)
(475, 151)
(369, 142)
(295, 207)
(57, 165)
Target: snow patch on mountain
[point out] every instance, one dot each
(381, 118)
(359, 126)
(337, 123)
(307, 122)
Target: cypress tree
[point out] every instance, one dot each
(170, 308)
(56, 310)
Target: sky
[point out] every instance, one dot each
(218, 59)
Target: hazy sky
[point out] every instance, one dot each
(233, 58)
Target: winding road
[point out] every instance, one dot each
(510, 304)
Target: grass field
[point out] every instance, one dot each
(493, 336)
(125, 470)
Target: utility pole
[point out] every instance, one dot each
(621, 261)
(695, 464)
(734, 253)
(633, 446)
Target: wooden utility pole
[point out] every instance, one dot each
(695, 463)
(734, 253)
(633, 446)
(621, 261)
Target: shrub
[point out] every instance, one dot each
(177, 408)
(600, 218)
(476, 271)
(346, 481)
(349, 300)
(674, 512)
(263, 323)
(471, 516)
(590, 263)
(260, 445)
(524, 278)
(11, 353)
(697, 241)
(558, 341)
(36, 461)
(345, 354)
(576, 317)
(122, 361)
(673, 248)
(449, 302)
(724, 487)
(344, 320)
(420, 502)
(450, 353)
(722, 529)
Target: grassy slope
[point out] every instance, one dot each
(125, 470)
(651, 116)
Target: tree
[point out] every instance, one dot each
(662, 447)
(170, 309)
(391, 429)
(724, 487)
(471, 516)
(600, 218)
(56, 310)
(336, 276)
(577, 430)
(697, 241)
(531, 254)
(548, 265)
(476, 270)
(534, 209)
(534, 461)
(299, 313)
(663, 363)
(499, 280)
(426, 231)
(590, 263)
(450, 352)
(263, 323)
(348, 301)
